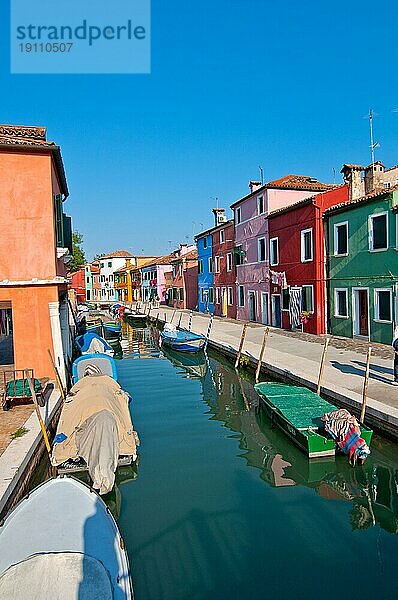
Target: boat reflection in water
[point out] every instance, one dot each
(138, 342)
(194, 364)
(372, 489)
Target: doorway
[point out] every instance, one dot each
(6, 335)
(276, 310)
(264, 308)
(224, 305)
(252, 306)
(361, 312)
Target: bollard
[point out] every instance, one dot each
(260, 358)
(242, 339)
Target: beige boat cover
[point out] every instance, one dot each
(88, 397)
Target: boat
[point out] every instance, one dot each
(111, 330)
(136, 319)
(193, 363)
(91, 343)
(181, 339)
(61, 541)
(103, 362)
(94, 326)
(95, 432)
(298, 413)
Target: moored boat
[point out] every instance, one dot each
(100, 363)
(61, 542)
(94, 326)
(91, 343)
(298, 413)
(136, 318)
(182, 340)
(111, 330)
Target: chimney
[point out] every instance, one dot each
(254, 185)
(374, 177)
(219, 216)
(352, 177)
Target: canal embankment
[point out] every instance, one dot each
(296, 359)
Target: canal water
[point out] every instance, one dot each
(222, 506)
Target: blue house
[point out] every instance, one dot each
(205, 272)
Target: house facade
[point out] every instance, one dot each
(224, 269)
(154, 275)
(297, 263)
(35, 244)
(109, 263)
(252, 240)
(78, 284)
(183, 292)
(363, 266)
(204, 243)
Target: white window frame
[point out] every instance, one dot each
(273, 263)
(217, 264)
(211, 266)
(200, 266)
(370, 231)
(218, 296)
(229, 261)
(258, 250)
(377, 307)
(212, 295)
(260, 198)
(239, 296)
(238, 215)
(230, 297)
(312, 296)
(336, 239)
(336, 315)
(302, 234)
(222, 236)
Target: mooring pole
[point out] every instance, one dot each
(179, 320)
(157, 318)
(365, 385)
(165, 318)
(322, 366)
(190, 321)
(57, 376)
(209, 328)
(41, 423)
(242, 339)
(260, 358)
(173, 315)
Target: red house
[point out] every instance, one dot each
(78, 283)
(184, 290)
(223, 241)
(297, 262)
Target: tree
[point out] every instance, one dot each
(78, 258)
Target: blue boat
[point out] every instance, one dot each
(182, 339)
(91, 343)
(96, 362)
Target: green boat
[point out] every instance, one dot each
(297, 411)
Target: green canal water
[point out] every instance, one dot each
(222, 506)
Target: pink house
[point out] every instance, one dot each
(252, 243)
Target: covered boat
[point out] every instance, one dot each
(96, 362)
(91, 343)
(95, 430)
(62, 542)
(182, 339)
(298, 412)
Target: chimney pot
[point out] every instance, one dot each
(352, 177)
(254, 185)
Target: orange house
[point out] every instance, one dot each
(35, 241)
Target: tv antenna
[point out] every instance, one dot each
(373, 144)
(261, 174)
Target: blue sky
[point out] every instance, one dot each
(233, 85)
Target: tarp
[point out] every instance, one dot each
(90, 396)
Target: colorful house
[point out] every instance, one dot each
(297, 297)
(184, 290)
(125, 280)
(154, 275)
(109, 263)
(78, 284)
(252, 240)
(204, 242)
(35, 244)
(223, 243)
(96, 284)
(362, 266)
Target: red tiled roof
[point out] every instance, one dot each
(371, 196)
(191, 255)
(118, 254)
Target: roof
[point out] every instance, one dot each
(212, 229)
(118, 254)
(162, 260)
(191, 255)
(21, 137)
(291, 182)
(353, 203)
(94, 269)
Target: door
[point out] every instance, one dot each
(252, 306)
(264, 308)
(361, 312)
(6, 335)
(224, 305)
(276, 310)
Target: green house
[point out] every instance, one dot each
(362, 267)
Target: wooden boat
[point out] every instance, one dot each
(103, 362)
(298, 411)
(61, 541)
(91, 343)
(182, 340)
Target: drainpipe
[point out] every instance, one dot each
(327, 276)
(57, 339)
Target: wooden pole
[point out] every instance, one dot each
(57, 376)
(173, 315)
(242, 339)
(157, 319)
(365, 386)
(165, 318)
(260, 358)
(42, 426)
(73, 314)
(179, 320)
(322, 366)
(190, 321)
(209, 328)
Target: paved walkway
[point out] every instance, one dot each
(297, 356)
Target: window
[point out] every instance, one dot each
(286, 299)
(102, 265)
(307, 300)
(110, 277)
(241, 295)
(261, 249)
(260, 205)
(383, 305)
(306, 245)
(229, 261)
(274, 251)
(217, 264)
(239, 254)
(378, 234)
(340, 302)
(205, 242)
(218, 295)
(110, 264)
(341, 239)
(210, 265)
(88, 279)
(222, 236)
(238, 215)
(211, 295)
(181, 293)
(200, 267)
(230, 296)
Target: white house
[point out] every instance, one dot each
(108, 265)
